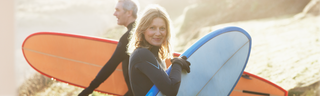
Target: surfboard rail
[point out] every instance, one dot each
(267, 81)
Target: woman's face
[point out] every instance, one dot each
(156, 33)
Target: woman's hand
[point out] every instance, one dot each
(182, 61)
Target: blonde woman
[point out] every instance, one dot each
(148, 48)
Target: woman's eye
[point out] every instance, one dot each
(151, 27)
(162, 29)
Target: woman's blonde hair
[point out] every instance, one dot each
(137, 38)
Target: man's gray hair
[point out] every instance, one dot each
(131, 5)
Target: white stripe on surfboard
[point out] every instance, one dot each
(65, 58)
(221, 67)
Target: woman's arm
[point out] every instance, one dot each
(168, 85)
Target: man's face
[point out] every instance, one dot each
(121, 14)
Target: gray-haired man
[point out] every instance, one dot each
(126, 13)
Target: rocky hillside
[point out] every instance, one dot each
(213, 12)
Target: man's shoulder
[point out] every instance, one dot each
(124, 38)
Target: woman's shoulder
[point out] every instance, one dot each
(142, 52)
(142, 55)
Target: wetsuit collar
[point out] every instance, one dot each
(155, 50)
(130, 25)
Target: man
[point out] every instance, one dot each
(126, 13)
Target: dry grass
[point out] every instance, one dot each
(35, 84)
(40, 85)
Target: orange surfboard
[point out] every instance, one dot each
(77, 59)
(73, 59)
(253, 85)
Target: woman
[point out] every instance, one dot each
(148, 48)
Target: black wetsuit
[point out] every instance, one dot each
(145, 71)
(118, 56)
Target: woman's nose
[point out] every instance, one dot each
(158, 32)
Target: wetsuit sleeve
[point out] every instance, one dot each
(118, 56)
(168, 85)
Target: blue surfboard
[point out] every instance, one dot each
(217, 61)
